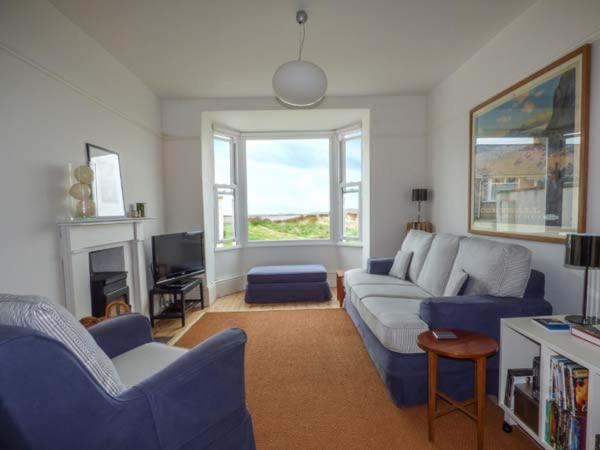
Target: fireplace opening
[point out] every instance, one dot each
(108, 279)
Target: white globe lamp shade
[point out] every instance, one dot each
(299, 83)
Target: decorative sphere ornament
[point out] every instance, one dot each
(86, 208)
(80, 191)
(84, 174)
(299, 83)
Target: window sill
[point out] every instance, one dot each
(227, 249)
(312, 243)
(350, 244)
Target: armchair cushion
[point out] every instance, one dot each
(52, 320)
(144, 361)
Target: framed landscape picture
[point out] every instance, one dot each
(528, 155)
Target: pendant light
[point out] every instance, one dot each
(300, 83)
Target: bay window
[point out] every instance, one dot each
(287, 188)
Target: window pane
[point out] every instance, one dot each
(288, 189)
(222, 150)
(226, 216)
(350, 205)
(352, 161)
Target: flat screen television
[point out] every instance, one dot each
(176, 256)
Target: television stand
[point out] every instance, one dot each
(178, 304)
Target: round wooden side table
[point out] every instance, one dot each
(468, 345)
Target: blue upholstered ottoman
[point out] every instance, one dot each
(291, 283)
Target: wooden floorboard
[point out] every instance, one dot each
(170, 330)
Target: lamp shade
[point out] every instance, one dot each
(419, 195)
(299, 83)
(582, 250)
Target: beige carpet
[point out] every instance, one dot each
(311, 385)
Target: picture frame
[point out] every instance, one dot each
(528, 155)
(107, 186)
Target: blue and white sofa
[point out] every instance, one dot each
(390, 313)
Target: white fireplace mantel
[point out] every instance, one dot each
(78, 238)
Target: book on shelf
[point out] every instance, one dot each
(566, 407)
(589, 333)
(514, 377)
(550, 324)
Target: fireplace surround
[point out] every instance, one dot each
(80, 238)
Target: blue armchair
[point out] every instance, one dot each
(48, 400)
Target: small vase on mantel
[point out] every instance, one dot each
(80, 192)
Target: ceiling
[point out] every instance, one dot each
(230, 48)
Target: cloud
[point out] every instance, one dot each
(528, 107)
(539, 119)
(539, 93)
(521, 97)
(503, 119)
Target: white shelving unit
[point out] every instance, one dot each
(521, 340)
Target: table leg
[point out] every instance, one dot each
(432, 359)
(151, 306)
(480, 398)
(182, 295)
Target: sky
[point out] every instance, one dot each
(289, 176)
(532, 106)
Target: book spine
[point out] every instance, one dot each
(585, 336)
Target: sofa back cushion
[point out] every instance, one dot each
(438, 263)
(494, 268)
(417, 242)
(52, 320)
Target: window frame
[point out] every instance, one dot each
(344, 136)
(298, 135)
(232, 188)
(337, 186)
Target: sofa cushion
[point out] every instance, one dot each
(438, 263)
(306, 273)
(355, 277)
(144, 361)
(52, 320)
(401, 262)
(456, 283)
(395, 322)
(390, 290)
(494, 268)
(417, 242)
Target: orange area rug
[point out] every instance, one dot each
(311, 385)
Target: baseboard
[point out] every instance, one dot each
(230, 285)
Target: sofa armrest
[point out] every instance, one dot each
(480, 313)
(200, 389)
(122, 333)
(379, 266)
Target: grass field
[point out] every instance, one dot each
(310, 226)
(302, 227)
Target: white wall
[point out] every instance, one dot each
(543, 33)
(59, 89)
(397, 146)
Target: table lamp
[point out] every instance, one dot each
(583, 250)
(419, 195)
